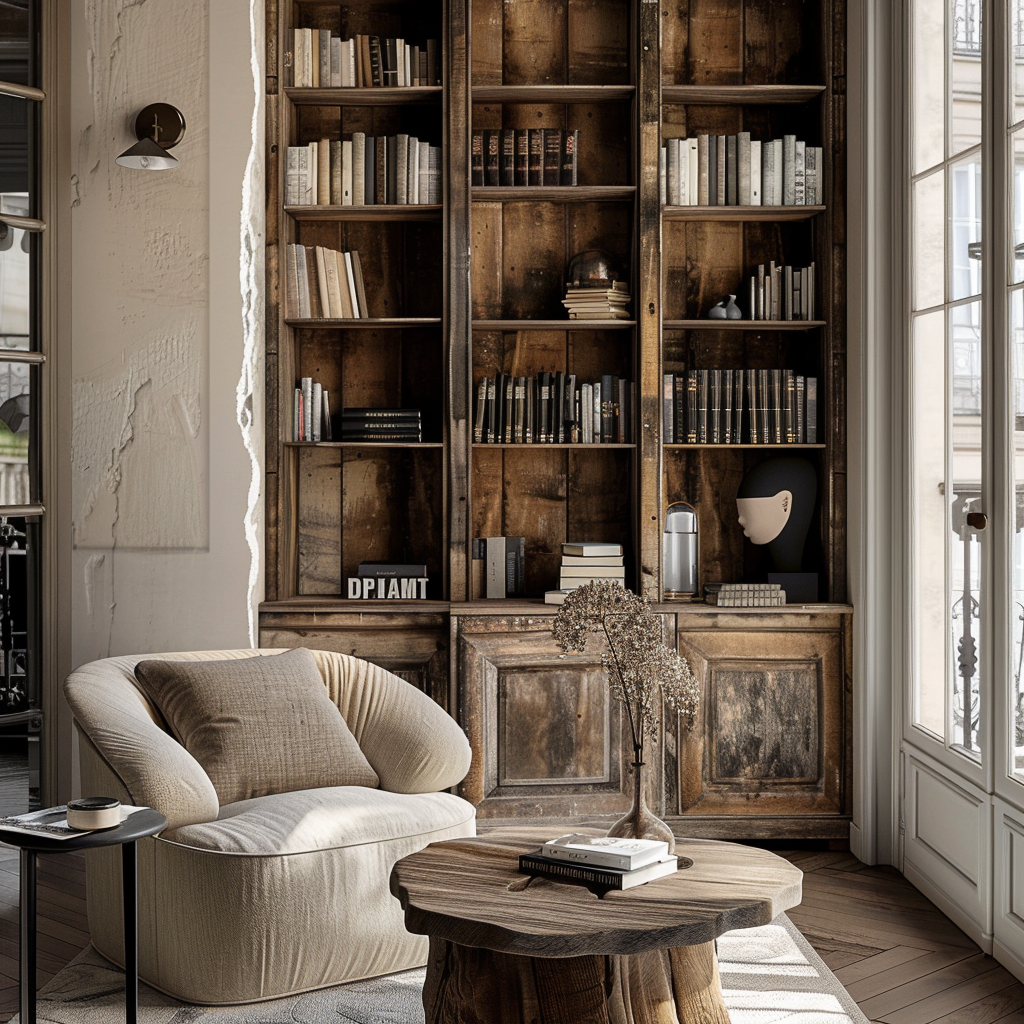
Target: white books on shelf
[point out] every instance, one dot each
(605, 560)
(593, 571)
(693, 172)
(605, 852)
(755, 173)
(591, 547)
(346, 172)
(799, 184)
(788, 170)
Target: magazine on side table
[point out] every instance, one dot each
(52, 822)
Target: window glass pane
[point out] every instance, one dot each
(15, 433)
(964, 544)
(15, 267)
(965, 77)
(929, 242)
(1016, 61)
(1016, 172)
(928, 84)
(1017, 526)
(965, 227)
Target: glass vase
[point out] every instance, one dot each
(639, 822)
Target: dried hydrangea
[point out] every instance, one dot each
(642, 667)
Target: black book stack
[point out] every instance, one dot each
(389, 425)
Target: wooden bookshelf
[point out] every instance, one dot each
(472, 286)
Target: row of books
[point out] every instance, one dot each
(740, 407)
(524, 156)
(587, 562)
(610, 303)
(553, 408)
(400, 170)
(323, 283)
(781, 293)
(497, 568)
(602, 864)
(390, 581)
(734, 170)
(311, 415)
(381, 425)
(744, 595)
(323, 61)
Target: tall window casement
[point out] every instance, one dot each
(22, 380)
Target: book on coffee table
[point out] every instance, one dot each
(604, 851)
(597, 880)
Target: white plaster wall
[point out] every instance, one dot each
(163, 367)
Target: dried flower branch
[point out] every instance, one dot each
(642, 668)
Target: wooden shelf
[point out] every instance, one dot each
(734, 213)
(553, 325)
(390, 212)
(552, 93)
(576, 446)
(376, 97)
(706, 324)
(363, 444)
(733, 95)
(552, 193)
(365, 323)
(787, 446)
(328, 604)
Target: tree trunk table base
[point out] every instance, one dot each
(468, 985)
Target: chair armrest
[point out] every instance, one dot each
(412, 743)
(154, 768)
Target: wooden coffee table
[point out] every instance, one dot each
(556, 953)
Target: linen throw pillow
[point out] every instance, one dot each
(257, 725)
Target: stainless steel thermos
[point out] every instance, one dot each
(679, 550)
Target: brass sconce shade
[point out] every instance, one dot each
(158, 127)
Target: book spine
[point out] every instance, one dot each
(731, 171)
(743, 169)
(521, 174)
(663, 176)
(477, 159)
(755, 173)
(720, 168)
(672, 172)
(413, 171)
(737, 406)
(306, 384)
(811, 414)
(715, 414)
(692, 407)
(401, 169)
(703, 171)
(799, 183)
(508, 157)
(495, 568)
(492, 145)
(358, 168)
(668, 409)
(789, 170)
(552, 156)
(727, 437)
(569, 151)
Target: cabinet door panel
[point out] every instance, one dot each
(771, 736)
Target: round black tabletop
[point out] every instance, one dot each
(136, 826)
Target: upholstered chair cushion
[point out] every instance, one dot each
(257, 726)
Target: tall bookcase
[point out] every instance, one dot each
(472, 286)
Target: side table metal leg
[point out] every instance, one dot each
(129, 893)
(27, 920)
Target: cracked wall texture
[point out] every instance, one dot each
(162, 481)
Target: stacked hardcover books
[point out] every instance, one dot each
(734, 170)
(381, 425)
(587, 562)
(585, 303)
(498, 567)
(601, 864)
(365, 170)
(524, 156)
(322, 61)
(740, 407)
(389, 581)
(323, 283)
(552, 408)
(745, 595)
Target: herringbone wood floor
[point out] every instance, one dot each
(900, 959)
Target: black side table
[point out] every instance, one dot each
(137, 826)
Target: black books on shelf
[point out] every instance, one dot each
(367, 425)
(735, 170)
(553, 408)
(781, 293)
(498, 567)
(610, 303)
(751, 406)
(364, 170)
(323, 283)
(392, 581)
(510, 157)
(598, 880)
(311, 413)
(322, 61)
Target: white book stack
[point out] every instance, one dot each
(587, 562)
(598, 303)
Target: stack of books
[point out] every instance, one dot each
(311, 415)
(394, 581)
(511, 157)
(601, 864)
(323, 61)
(587, 562)
(734, 170)
(745, 595)
(381, 425)
(498, 567)
(585, 303)
(781, 293)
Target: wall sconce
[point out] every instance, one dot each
(158, 127)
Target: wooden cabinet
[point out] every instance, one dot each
(471, 286)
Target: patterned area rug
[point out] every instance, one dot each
(770, 975)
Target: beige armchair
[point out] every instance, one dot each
(281, 893)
